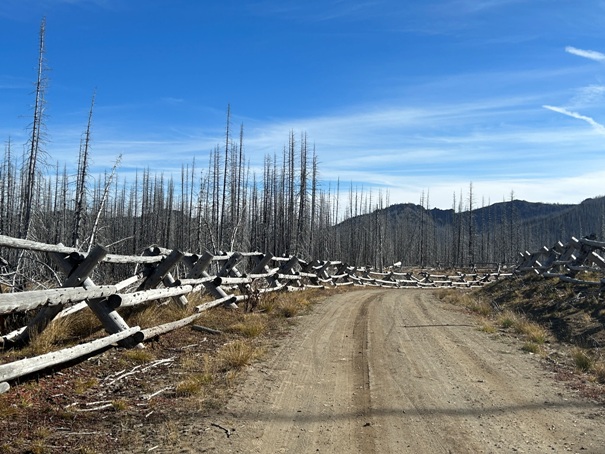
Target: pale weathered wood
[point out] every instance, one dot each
(157, 273)
(132, 299)
(25, 301)
(261, 265)
(150, 333)
(179, 299)
(27, 366)
(198, 281)
(109, 318)
(76, 277)
(30, 245)
(199, 270)
(227, 301)
(126, 282)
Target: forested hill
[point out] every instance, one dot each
(484, 218)
(413, 234)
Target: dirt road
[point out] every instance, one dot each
(389, 371)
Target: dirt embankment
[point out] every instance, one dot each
(398, 371)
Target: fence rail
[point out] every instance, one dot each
(568, 261)
(216, 275)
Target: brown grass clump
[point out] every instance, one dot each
(55, 333)
(507, 319)
(253, 325)
(139, 356)
(189, 387)
(599, 371)
(532, 347)
(466, 300)
(488, 327)
(532, 331)
(155, 314)
(582, 360)
(236, 355)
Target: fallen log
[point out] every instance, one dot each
(150, 333)
(132, 299)
(205, 329)
(27, 366)
(26, 301)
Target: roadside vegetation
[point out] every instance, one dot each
(105, 397)
(562, 323)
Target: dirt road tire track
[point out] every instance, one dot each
(388, 371)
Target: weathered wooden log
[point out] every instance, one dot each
(234, 280)
(157, 273)
(132, 299)
(109, 318)
(198, 281)
(255, 276)
(573, 280)
(270, 289)
(126, 282)
(150, 333)
(16, 243)
(593, 243)
(26, 366)
(285, 268)
(261, 265)
(169, 281)
(199, 270)
(78, 275)
(26, 301)
(289, 277)
(205, 329)
(227, 301)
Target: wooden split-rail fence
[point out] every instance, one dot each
(162, 273)
(577, 261)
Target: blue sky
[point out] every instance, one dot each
(406, 96)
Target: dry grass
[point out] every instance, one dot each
(81, 385)
(467, 300)
(154, 314)
(507, 319)
(237, 355)
(599, 371)
(531, 330)
(139, 356)
(488, 327)
(582, 360)
(191, 386)
(532, 347)
(55, 333)
(253, 325)
(119, 404)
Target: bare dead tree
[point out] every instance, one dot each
(35, 151)
(81, 177)
(102, 202)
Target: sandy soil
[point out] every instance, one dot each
(389, 371)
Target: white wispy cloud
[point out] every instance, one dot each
(590, 54)
(590, 94)
(597, 126)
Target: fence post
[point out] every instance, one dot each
(161, 273)
(198, 270)
(78, 271)
(285, 268)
